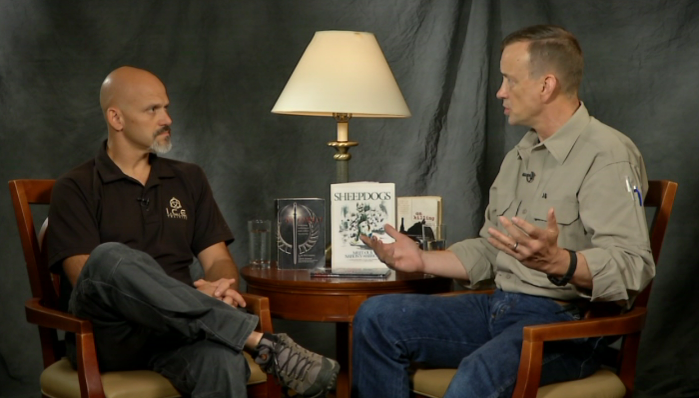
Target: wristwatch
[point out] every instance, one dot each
(569, 274)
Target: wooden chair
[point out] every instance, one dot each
(59, 380)
(604, 383)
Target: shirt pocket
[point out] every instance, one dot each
(567, 212)
(506, 206)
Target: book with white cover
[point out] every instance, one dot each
(413, 211)
(360, 208)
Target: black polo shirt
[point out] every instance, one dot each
(172, 218)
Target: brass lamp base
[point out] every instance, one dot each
(342, 157)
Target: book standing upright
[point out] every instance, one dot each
(300, 233)
(360, 208)
(413, 211)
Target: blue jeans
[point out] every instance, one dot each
(481, 335)
(144, 319)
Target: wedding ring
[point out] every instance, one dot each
(514, 247)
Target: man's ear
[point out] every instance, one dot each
(115, 119)
(550, 87)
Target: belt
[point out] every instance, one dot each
(579, 303)
(575, 307)
(586, 308)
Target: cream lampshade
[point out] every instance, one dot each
(342, 74)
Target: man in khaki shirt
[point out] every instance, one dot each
(565, 221)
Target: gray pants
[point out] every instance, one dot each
(144, 319)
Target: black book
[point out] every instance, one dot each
(300, 233)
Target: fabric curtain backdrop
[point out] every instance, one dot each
(226, 62)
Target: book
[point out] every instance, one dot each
(351, 273)
(414, 211)
(360, 208)
(300, 233)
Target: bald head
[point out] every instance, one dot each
(124, 85)
(134, 103)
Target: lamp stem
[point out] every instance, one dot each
(342, 145)
(342, 171)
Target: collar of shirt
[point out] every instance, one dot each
(562, 141)
(109, 171)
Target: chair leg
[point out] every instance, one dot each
(88, 369)
(629, 352)
(529, 374)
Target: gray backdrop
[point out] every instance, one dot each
(226, 62)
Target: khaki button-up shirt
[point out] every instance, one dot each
(584, 172)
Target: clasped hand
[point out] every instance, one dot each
(221, 289)
(534, 247)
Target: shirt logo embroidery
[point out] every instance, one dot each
(176, 210)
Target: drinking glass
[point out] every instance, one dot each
(260, 234)
(434, 237)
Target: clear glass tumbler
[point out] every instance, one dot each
(434, 237)
(260, 241)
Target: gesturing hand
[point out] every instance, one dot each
(403, 254)
(534, 247)
(222, 290)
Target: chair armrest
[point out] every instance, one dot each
(529, 374)
(89, 376)
(259, 306)
(46, 317)
(630, 322)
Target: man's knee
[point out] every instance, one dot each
(107, 258)
(377, 312)
(102, 259)
(370, 309)
(108, 250)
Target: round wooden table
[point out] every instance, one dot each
(294, 295)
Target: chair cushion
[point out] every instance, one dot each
(61, 381)
(602, 384)
(433, 383)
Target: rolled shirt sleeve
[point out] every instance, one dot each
(620, 259)
(477, 256)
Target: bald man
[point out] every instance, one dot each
(124, 229)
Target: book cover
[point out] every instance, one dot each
(360, 208)
(300, 233)
(413, 211)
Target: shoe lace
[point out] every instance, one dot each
(300, 368)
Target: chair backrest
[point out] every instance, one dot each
(25, 193)
(661, 196)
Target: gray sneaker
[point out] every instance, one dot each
(307, 373)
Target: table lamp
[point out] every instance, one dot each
(342, 74)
